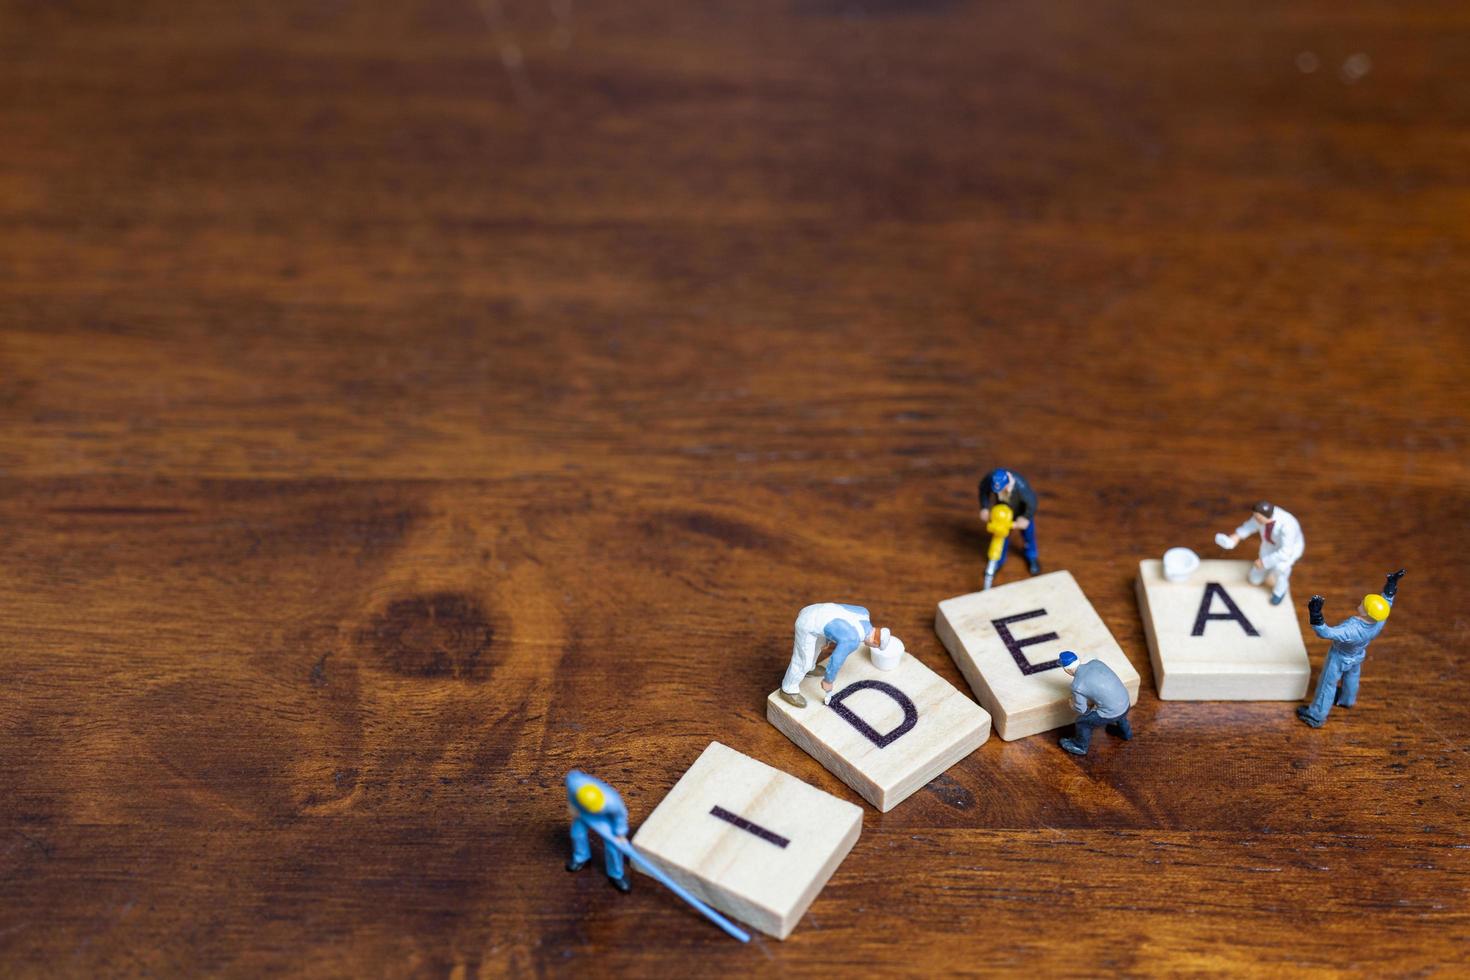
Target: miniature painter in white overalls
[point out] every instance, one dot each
(1281, 545)
(842, 624)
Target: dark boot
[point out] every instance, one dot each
(621, 884)
(1305, 714)
(1072, 746)
(1034, 565)
(574, 865)
(1121, 729)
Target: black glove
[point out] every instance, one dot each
(1314, 611)
(1391, 584)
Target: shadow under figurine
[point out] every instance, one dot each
(1099, 698)
(1350, 639)
(1007, 502)
(594, 802)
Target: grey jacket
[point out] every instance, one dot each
(1096, 682)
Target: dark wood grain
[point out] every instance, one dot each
(404, 405)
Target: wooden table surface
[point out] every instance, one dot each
(402, 406)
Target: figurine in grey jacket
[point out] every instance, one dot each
(1350, 639)
(1099, 698)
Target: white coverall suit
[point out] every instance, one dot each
(845, 625)
(1281, 545)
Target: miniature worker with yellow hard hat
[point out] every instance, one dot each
(593, 801)
(1350, 640)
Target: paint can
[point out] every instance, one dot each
(1180, 564)
(889, 655)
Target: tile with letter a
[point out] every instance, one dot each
(1006, 641)
(886, 732)
(1217, 637)
(750, 840)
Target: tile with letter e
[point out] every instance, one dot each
(1006, 641)
(886, 732)
(750, 840)
(1216, 637)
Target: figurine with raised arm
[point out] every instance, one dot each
(1001, 486)
(1282, 545)
(845, 626)
(1099, 698)
(1350, 639)
(596, 805)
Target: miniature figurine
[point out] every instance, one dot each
(1282, 545)
(596, 806)
(1099, 698)
(1001, 486)
(1350, 639)
(845, 626)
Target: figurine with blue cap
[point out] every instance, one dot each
(1350, 639)
(594, 802)
(1007, 501)
(1099, 698)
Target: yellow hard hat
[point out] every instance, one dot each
(590, 798)
(1376, 606)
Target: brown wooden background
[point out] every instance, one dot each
(404, 405)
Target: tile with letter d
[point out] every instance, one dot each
(750, 840)
(1216, 637)
(1006, 641)
(886, 732)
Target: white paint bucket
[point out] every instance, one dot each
(888, 656)
(1179, 564)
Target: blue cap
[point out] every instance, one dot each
(999, 479)
(1068, 658)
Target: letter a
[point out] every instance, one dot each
(1213, 589)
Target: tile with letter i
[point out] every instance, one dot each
(1216, 637)
(752, 841)
(1006, 641)
(886, 733)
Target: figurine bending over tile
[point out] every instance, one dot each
(845, 626)
(1099, 698)
(1282, 545)
(1350, 639)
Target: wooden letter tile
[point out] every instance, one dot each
(1217, 637)
(1006, 641)
(886, 732)
(750, 840)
